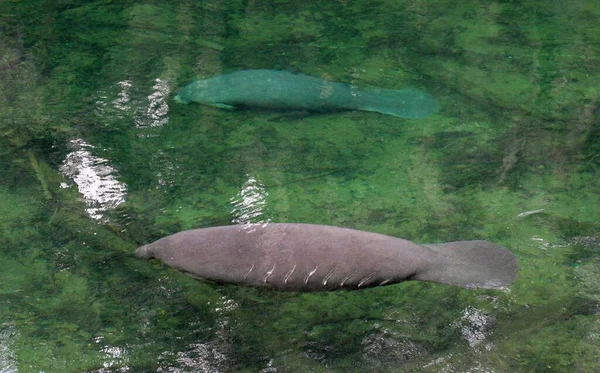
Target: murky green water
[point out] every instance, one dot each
(96, 159)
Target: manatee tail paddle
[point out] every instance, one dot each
(472, 264)
(403, 103)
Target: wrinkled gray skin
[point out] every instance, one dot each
(306, 257)
(275, 89)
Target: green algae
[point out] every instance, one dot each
(518, 133)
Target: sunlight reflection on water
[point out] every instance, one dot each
(7, 356)
(200, 357)
(115, 358)
(122, 103)
(474, 327)
(95, 179)
(388, 346)
(156, 111)
(249, 204)
(148, 112)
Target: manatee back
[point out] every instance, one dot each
(290, 257)
(269, 89)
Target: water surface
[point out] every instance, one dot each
(96, 159)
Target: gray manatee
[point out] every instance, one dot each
(307, 257)
(275, 89)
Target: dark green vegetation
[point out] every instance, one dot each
(518, 84)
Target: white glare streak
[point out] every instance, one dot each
(474, 325)
(201, 357)
(156, 112)
(94, 178)
(249, 204)
(122, 102)
(7, 356)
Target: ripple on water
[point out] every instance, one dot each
(95, 179)
(249, 204)
(8, 362)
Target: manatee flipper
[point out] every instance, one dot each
(224, 106)
(472, 264)
(403, 103)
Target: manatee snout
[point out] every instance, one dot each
(180, 99)
(144, 252)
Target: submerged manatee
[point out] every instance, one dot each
(306, 257)
(284, 90)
